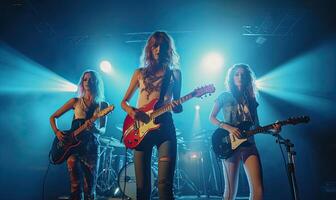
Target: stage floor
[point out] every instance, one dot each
(202, 197)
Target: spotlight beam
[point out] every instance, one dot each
(20, 75)
(306, 81)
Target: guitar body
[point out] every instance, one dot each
(134, 131)
(60, 151)
(224, 144)
(73, 138)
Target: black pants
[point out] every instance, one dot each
(165, 140)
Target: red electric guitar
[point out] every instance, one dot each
(134, 131)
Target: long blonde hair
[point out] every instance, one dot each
(97, 89)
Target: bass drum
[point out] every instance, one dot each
(127, 184)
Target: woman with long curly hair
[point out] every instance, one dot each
(159, 65)
(83, 163)
(238, 105)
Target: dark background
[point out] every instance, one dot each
(67, 37)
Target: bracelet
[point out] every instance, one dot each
(221, 124)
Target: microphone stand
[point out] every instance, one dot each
(290, 165)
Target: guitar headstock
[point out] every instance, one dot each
(297, 120)
(207, 89)
(105, 111)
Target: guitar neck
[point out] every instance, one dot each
(93, 119)
(83, 127)
(169, 107)
(264, 128)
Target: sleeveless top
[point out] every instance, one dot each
(150, 87)
(81, 109)
(90, 144)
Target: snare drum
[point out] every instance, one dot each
(128, 185)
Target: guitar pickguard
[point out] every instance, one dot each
(235, 142)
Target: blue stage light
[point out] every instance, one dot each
(197, 107)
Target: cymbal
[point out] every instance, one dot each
(204, 131)
(110, 141)
(200, 137)
(178, 132)
(180, 140)
(203, 134)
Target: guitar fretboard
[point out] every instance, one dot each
(83, 127)
(265, 128)
(169, 106)
(92, 119)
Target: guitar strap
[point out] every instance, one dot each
(252, 106)
(90, 111)
(164, 87)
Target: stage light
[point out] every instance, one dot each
(20, 74)
(106, 67)
(116, 191)
(212, 61)
(69, 87)
(193, 155)
(258, 84)
(197, 119)
(261, 40)
(305, 80)
(197, 107)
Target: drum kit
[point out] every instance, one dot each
(109, 165)
(116, 175)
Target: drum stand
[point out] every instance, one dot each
(213, 161)
(206, 184)
(182, 179)
(107, 177)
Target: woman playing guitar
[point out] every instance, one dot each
(159, 72)
(84, 161)
(239, 105)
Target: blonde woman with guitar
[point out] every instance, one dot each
(80, 146)
(239, 107)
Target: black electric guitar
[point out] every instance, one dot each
(224, 143)
(61, 150)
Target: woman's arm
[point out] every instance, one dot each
(134, 84)
(214, 120)
(66, 107)
(213, 115)
(177, 90)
